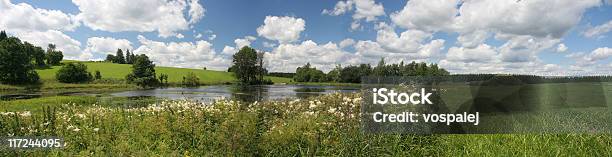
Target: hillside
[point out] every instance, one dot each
(175, 75)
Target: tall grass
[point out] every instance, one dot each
(322, 126)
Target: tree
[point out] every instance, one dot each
(3, 35)
(119, 58)
(98, 75)
(73, 73)
(334, 74)
(143, 72)
(245, 65)
(308, 74)
(39, 56)
(128, 57)
(163, 79)
(110, 58)
(54, 57)
(191, 80)
(15, 63)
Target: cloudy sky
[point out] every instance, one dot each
(545, 37)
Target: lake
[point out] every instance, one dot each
(246, 93)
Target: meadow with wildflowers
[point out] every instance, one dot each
(319, 126)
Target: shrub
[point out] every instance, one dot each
(191, 80)
(143, 72)
(98, 75)
(73, 73)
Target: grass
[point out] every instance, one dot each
(321, 126)
(114, 76)
(119, 71)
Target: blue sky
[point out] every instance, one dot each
(525, 40)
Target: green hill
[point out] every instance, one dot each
(119, 71)
(175, 75)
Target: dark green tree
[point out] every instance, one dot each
(245, 65)
(15, 63)
(54, 57)
(98, 75)
(128, 57)
(143, 72)
(73, 73)
(191, 80)
(3, 35)
(119, 58)
(110, 58)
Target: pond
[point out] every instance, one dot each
(246, 93)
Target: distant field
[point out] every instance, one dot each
(175, 75)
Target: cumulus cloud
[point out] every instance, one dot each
(24, 17)
(70, 47)
(481, 53)
(287, 57)
(598, 30)
(561, 48)
(182, 54)
(246, 41)
(346, 42)
(99, 47)
(282, 29)
(164, 16)
(367, 10)
(429, 15)
(40, 26)
(196, 11)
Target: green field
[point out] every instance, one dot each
(175, 75)
(114, 74)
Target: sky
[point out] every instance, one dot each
(541, 37)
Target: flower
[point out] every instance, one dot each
(96, 129)
(76, 129)
(25, 114)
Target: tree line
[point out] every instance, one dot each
(18, 60)
(354, 73)
(119, 58)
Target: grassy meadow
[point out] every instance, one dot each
(113, 76)
(319, 126)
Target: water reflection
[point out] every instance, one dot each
(240, 93)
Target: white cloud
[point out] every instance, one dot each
(40, 26)
(346, 42)
(367, 10)
(180, 36)
(429, 15)
(598, 30)
(283, 29)
(164, 16)
(182, 54)
(212, 37)
(481, 53)
(198, 36)
(268, 44)
(246, 41)
(287, 57)
(24, 17)
(98, 47)
(196, 11)
(561, 48)
(340, 8)
(522, 17)
(71, 48)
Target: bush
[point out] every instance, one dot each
(191, 80)
(143, 72)
(73, 73)
(98, 75)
